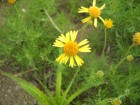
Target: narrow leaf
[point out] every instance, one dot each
(29, 88)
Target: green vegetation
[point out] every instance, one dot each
(27, 34)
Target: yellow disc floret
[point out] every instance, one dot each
(11, 1)
(116, 101)
(129, 58)
(94, 11)
(99, 73)
(108, 23)
(71, 48)
(136, 38)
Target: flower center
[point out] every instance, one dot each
(11, 1)
(108, 23)
(94, 11)
(71, 48)
(136, 38)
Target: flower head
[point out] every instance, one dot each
(108, 23)
(11, 1)
(116, 101)
(136, 38)
(129, 58)
(100, 73)
(93, 11)
(71, 48)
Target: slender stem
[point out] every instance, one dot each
(59, 70)
(119, 64)
(58, 81)
(124, 95)
(68, 88)
(22, 73)
(58, 84)
(124, 58)
(83, 27)
(55, 26)
(129, 49)
(17, 10)
(105, 38)
(82, 30)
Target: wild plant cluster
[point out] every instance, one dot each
(80, 52)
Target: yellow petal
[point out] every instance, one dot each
(85, 48)
(83, 10)
(95, 22)
(72, 63)
(67, 36)
(73, 35)
(102, 7)
(85, 41)
(58, 44)
(102, 19)
(65, 60)
(60, 58)
(86, 19)
(94, 2)
(78, 60)
(62, 38)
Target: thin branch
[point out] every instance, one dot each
(55, 26)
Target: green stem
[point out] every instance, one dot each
(83, 27)
(129, 49)
(59, 70)
(68, 88)
(58, 81)
(17, 10)
(22, 73)
(105, 38)
(58, 84)
(123, 58)
(82, 30)
(119, 64)
(53, 23)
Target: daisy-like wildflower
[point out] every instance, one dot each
(93, 11)
(116, 101)
(129, 58)
(11, 1)
(108, 23)
(71, 48)
(100, 73)
(136, 38)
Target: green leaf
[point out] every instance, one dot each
(29, 88)
(80, 91)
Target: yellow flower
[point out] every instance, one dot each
(136, 38)
(100, 73)
(93, 11)
(129, 58)
(71, 48)
(116, 101)
(11, 1)
(108, 23)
